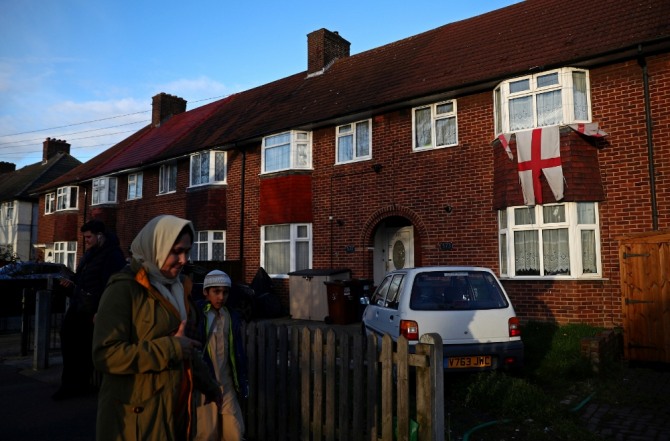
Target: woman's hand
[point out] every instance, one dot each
(188, 345)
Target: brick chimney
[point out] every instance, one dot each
(7, 167)
(164, 106)
(53, 146)
(324, 46)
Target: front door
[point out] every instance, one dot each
(394, 248)
(400, 249)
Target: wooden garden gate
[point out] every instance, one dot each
(645, 289)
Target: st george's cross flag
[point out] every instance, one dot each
(588, 129)
(504, 141)
(538, 152)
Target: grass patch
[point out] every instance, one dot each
(539, 403)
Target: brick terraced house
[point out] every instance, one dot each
(414, 154)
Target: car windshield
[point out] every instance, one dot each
(463, 290)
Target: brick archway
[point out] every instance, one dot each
(375, 219)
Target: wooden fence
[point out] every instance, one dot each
(323, 385)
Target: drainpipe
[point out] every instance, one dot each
(244, 168)
(642, 61)
(85, 214)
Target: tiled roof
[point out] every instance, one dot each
(21, 183)
(456, 58)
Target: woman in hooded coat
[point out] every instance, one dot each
(149, 365)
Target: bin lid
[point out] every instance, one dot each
(319, 272)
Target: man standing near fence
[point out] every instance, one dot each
(103, 257)
(223, 351)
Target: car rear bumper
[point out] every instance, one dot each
(504, 355)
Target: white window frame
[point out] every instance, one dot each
(135, 183)
(508, 228)
(503, 94)
(210, 159)
(298, 157)
(104, 190)
(167, 178)
(299, 233)
(353, 132)
(67, 198)
(204, 244)
(8, 211)
(66, 253)
(431, 133)
(49, 203)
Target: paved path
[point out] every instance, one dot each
(644, 416)
(27, 412)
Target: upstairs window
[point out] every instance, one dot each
(49, 203)
(67, 198)
(287, 151)
(208, 168)
(353, 142)
(549, 98)
(286, 248)
(104, 191)
(135, 186)
(209, 246)
(435, 126)
(167, 178)
(558, 240)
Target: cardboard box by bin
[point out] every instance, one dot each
(308, 298)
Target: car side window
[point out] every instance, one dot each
(379, 297)
(394, 290)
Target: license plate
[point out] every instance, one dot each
(479, 361)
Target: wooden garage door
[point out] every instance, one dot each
(645, 288)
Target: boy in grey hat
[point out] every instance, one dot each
(224, 354)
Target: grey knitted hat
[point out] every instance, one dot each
(216, 278)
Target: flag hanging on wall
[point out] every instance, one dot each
(588, 129)
(504, 141)
(539, 151)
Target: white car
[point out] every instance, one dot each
(466, 306)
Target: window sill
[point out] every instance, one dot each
(553, 279)
(206, 186)
(354, 161)
(430, 149)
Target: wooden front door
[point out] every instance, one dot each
(645, 289)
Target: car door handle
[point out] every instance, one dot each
(391, 318)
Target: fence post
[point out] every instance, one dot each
(42, 327)
(402, 386)
(26, 314)
(430, 383)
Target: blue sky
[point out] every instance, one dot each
(85, 70)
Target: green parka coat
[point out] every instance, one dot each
(146, 391)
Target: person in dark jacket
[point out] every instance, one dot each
(102, 258)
